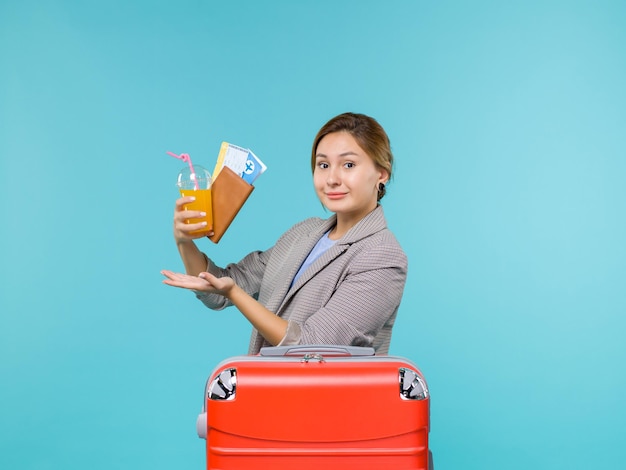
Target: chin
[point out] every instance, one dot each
(333, 206)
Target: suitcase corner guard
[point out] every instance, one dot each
(412, 386)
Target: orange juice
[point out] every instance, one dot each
(202, 203)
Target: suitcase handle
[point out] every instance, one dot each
(315, 350)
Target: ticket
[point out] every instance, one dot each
(241, 160)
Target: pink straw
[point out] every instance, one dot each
(186, 158)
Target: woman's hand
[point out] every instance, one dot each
(182, 230)
(272, 327)
(204, 282)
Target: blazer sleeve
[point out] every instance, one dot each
(247, 274)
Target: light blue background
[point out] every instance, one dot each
(508, 123)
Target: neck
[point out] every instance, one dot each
(345, 223)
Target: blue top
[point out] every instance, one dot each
(318, 250)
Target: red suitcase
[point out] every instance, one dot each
(316, 407)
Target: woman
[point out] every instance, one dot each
(334, 281)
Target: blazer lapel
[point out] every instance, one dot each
(370, 224)
(295, 259)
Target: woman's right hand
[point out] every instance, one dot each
(182, 230)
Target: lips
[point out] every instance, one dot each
(335, 195)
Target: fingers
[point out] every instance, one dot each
(184, 215)
(186, 224)
(172, 277)
(220, 284)
(181, 201)
(171, 274)
(187, 228)
(185, 281)
(181, 214)
(204, 282)
(207, 277)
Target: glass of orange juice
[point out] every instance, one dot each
(197, 183)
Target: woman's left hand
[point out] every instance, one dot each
(203, 282)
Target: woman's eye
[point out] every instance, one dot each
(322, 165)
(349, 165)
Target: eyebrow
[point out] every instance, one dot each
(345, 154)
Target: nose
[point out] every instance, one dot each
(332, 177)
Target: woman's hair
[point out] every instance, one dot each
(369, 135)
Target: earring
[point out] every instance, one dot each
(381, 187)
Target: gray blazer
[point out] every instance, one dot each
(350, 295)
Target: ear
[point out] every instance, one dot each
(384, 176)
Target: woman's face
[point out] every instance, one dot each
(345, 177)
